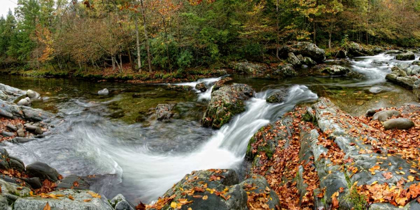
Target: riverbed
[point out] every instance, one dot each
(110, 137)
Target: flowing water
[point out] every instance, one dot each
(142, 158)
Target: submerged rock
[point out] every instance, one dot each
(120, 203)
(399, 123)
(335, 70)
(225, 103)
(164, 111)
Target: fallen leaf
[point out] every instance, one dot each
(47, 206)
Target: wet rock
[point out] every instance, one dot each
(333, 70)
(11, 127)
(6, 114)
(63, 202)
(286, 70)
(389, 52)
(225, 103)
(399, 123)
(33, 95)
(11, 92)
(201, 87)
(221, 72)
(292, 59)
(33, 129)
(7, 134)
(35, 115)
(385, 115)
(370, 112)
(311, 50)
(24, 102)
(103, 92)
(43, 171)
(9, 188)
(4, 204)
(342, 54)
(248, 68)
(34, 182)
(21, 133)
(259, 186)
(356, 49)
(375, 89)
(164, 111)
(120, 203)
(225, 179)
(277, 96)
(16, 164)
(73, 182)
(405, 56)
(308, 61)
(378, 50)
(4, 157)
(416, 63)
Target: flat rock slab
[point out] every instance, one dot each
(81, 200)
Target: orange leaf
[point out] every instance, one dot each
(47, 207)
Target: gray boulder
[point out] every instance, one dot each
(399, 123)
(259, 185)
(235, 197)
(33, 129)
(103, 92)
(11, 92)
(356, 49)
(308, 61)
(43, 171)
(24, 102)
(66, 199)
(405, 56)
(286, 70)
(33, 95)
(248, 68)
(385, 115)
(378, 50)
(277, 96)
(7, 134)
(311, 50)
(120, 203)
(292, 59)
(225, 103)
(334, 70)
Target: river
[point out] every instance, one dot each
(108, 136)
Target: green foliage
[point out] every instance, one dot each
(185, 59)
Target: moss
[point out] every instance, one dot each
(357, 200)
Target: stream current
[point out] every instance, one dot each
(143, 161)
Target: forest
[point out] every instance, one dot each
(176, 35)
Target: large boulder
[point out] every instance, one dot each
(292, 59)
(405, 56)
(43, 171)
(399, 123)
(66, 199)
(306, 49)
(216, 189)
(248, 68)
(225, 103)
(286, 70)
(355, 49)
(334, 70)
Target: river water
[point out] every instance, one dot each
(108, 136)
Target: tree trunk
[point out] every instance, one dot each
(277, 30)
(315, 33)
(113, 62)
(146, 36)
(329, 40)
(138, 44)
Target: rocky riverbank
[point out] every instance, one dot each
(320, 157)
